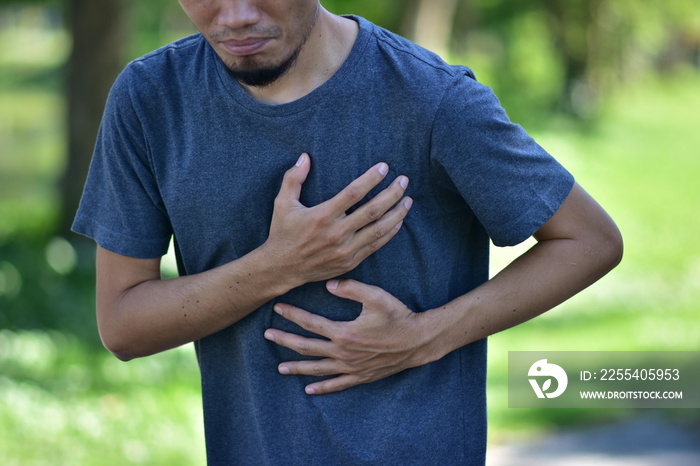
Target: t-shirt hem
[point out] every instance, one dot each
(119, 243)
(536, 216)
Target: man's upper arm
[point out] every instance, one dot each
(581, 217)
(116, 274)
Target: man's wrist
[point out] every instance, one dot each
(431, 345)
(443, 331)
(279, 280)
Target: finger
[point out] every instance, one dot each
(355, 291)
(308, 321)
(358, 189)
(379, 205)
(336, 384)
(376, 235)
(294, 178)
(302, 345)
(318, 368)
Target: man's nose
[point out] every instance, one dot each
(237, 14)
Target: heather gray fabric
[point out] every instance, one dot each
(184, 150)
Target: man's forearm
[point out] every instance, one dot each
(156, 315)
(576, 247)
(545, 276)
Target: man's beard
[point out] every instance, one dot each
(264, 76)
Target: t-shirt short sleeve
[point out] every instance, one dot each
(121, 207)
(512, 185)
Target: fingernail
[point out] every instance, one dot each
(383, 168)
(269, 336)
(300, 161)
(408, 203)
(284, 370)
(332, 285)
(403, 181)
(277, 309)
(310, 391)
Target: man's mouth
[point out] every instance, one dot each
(246, 46)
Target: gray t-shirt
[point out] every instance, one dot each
(184, 150)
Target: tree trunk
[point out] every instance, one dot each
(432, 27)
(97, 29)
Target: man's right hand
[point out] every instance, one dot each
(321, 242)
(139, 314)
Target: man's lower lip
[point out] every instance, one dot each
(245, 49)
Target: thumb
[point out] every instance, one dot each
(356, 291)
(295, 177)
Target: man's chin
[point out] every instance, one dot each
(258, 78)
(262, 76)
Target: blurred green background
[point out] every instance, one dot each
(610, 87)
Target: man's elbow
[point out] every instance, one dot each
(122, 356)
(116, 344)
(609, 247)
(118, 352)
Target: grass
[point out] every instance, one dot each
(63, 404)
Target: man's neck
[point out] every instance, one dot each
(325, 51)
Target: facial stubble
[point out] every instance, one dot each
(266, 75)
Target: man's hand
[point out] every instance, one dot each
(386, 338)
(139, 314)
(317, 243)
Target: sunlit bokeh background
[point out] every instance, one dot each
(610, 87)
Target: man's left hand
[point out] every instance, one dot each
(386, 338)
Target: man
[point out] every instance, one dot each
(307, 275)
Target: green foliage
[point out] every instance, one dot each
(387, 13)
(30, 160)
(48, 285)
(153, 24)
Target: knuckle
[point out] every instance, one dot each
(280, 202)
(303, 348)
(377, 297)
(346, 339)
(286, 179)
(344, 256)
(340, 386)
(354, 193)
(373, 212)
(317, 222)
(356, 361)
(379, 231)
(343, 355)
(378, 294)
(334, 237)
